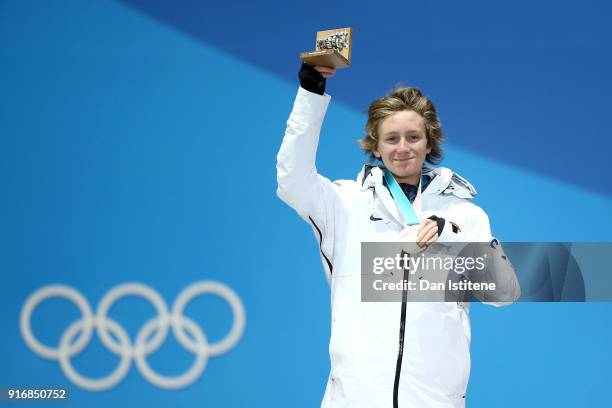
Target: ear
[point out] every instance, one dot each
(376, 153)
(428, 150)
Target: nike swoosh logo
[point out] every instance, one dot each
(372, 218)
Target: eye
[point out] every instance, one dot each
(415, 138)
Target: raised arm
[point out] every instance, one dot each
(299, 184)
(313, 196)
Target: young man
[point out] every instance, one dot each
(387, 354)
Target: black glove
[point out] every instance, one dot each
(439, 221)
(311, 79)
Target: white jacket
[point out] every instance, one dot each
(364, 347)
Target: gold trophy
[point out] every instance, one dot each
(333, 49)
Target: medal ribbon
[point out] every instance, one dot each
(410, 216)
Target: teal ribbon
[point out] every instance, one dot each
(401, 200)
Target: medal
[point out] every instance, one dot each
(409, 211)
(409, 234)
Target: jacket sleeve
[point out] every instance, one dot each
(313, 196)
(498, 268)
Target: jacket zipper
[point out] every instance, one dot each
(400, 353)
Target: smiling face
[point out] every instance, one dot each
(402, 145)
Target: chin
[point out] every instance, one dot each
(405, 173)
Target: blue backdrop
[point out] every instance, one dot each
(138, 143)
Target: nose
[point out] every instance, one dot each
(403, 145)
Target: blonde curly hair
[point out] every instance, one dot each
(397, 100)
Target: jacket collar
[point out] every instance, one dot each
(444, 181)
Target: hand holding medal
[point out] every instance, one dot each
(427, 233)
(423, 234)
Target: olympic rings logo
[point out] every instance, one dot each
(143, 346)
